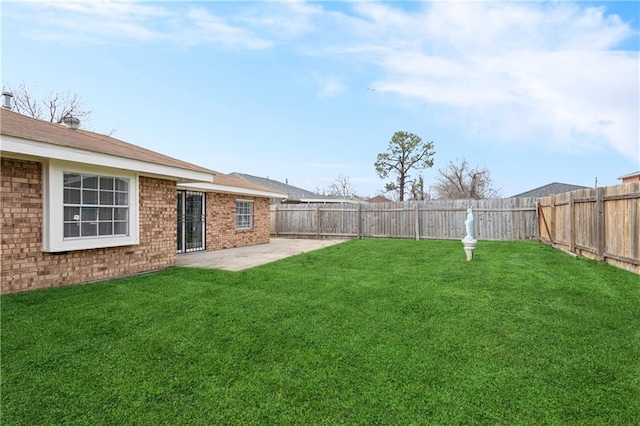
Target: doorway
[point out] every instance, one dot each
(191, 221)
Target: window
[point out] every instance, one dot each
(95, 205)
(244, 214)
(88, 207)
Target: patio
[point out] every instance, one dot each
(239, 258)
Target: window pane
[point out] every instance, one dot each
(105, 213)
(105, 228)
(72, 180)
(89, 213)
(89, 229)
(71, 214)
(120, 228)
(71, 196)
(106, 198)
(71, 230)
(120, 214)
(106, 182)
(122, 199)
(122, 184)
(89, 181)
(89, 196)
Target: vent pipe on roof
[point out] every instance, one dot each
(7, 99)
(70, 122)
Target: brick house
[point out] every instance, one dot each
(79, 207)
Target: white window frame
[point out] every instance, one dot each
(250, 227)
(53, 239)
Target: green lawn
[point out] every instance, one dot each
(364, 332)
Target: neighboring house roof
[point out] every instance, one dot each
(294, 194)
(550, 189)
(630, 175)
(234, 185)
(28, 136)
(379, 199)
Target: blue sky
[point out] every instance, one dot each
(537, 92)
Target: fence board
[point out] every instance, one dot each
(605, 223)
(495, 219)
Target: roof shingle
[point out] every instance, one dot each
(293, 192)
(23, 127)
(550, 189)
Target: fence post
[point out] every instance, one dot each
(538, 218)
(359, 221)
(552, 235)
(572, 223)
(417, 221)
(600, 225)
(317, 222)
(276, 219)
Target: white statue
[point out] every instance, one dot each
(469, 224)
(468, 242)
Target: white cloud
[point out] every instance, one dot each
(101, 22)
(524, 72)
(329, 86)
(282, 19)
(214, 29)
(105, 9)
(537, 73)
(96, 22)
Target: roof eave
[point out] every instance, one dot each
(12, 145)
(629, 175)
(225, 189)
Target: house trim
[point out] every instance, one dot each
(28, 149)
(52, 219)
(223, 189)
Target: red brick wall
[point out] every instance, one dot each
(26, 267)
(221, 222)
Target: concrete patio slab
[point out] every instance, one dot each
(237, 259)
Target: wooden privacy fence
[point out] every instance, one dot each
(495, 219)
(600, 223)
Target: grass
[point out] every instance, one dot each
(365, 332)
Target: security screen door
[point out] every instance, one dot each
(191, 221)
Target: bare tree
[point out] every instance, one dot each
(51, 108)
(342, 187)
(418, 190)
(405, 152)
(458, 180)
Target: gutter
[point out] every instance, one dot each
(224, 189)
